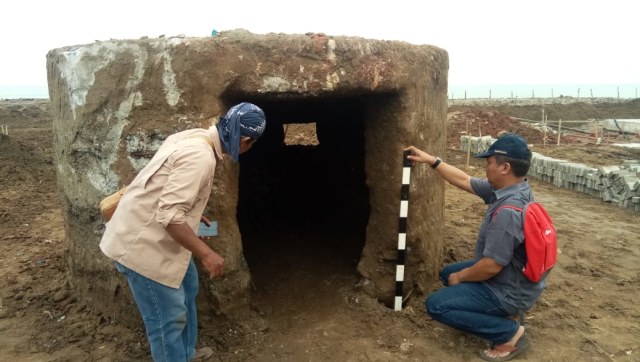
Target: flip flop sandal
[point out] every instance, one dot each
(521, 346)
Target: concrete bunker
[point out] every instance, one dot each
(114, 102)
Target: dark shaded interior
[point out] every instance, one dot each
(305, 208)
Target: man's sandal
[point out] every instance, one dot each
(203, 354)
(521, 346)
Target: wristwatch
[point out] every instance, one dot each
(437, 163)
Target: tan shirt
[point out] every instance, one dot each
(173, 188)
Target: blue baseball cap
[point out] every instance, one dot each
(510, 145)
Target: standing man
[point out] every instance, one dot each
(152, 234)
(481, 295)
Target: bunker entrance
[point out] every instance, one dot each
(303, 202)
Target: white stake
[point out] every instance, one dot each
(559, 130)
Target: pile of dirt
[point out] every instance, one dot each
(488, 121)
(24, 113)
(575, 110)
(481, 122)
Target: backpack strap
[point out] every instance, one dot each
(502, 207)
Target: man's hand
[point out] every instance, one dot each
(420, 156)
(484, 269)
(453, 175)
(207, 222)
(214, 264)
(454, 278)
(183, 235)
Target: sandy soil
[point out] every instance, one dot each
(310, 307)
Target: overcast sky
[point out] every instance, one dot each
(488, 41)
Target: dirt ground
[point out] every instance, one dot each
(589, 312)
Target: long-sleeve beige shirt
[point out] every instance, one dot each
(173, 188)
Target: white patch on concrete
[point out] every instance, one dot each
(142, 143)
(173, 41)
(275, 84)
(124, 111)
(100, 174)
(141, 57)
(66, 169)
(332, 81)
(331, 46)
(171, 90)
(377, 78)
(78, 67)
(366, 50)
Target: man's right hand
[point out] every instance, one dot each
(214, 264)
(453, 175)
(418, 155)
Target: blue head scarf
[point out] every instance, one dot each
(244, 119)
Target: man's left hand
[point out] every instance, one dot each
(206, 221)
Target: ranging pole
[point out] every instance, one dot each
(402, 228)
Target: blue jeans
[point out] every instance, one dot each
(169, 314)
(470, 307)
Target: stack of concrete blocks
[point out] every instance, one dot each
(621, 184)
(562, 173)
(615, 184)
(475, 144)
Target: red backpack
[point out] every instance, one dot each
(540, 240)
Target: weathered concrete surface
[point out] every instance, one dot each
(114, 102)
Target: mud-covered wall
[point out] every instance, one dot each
(114, 102)
(410, 119)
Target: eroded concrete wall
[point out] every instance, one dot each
(114, 102)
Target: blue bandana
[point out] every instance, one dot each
(244, 119)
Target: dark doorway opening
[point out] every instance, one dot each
(303, 204)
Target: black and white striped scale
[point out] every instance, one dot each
(402, 228)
